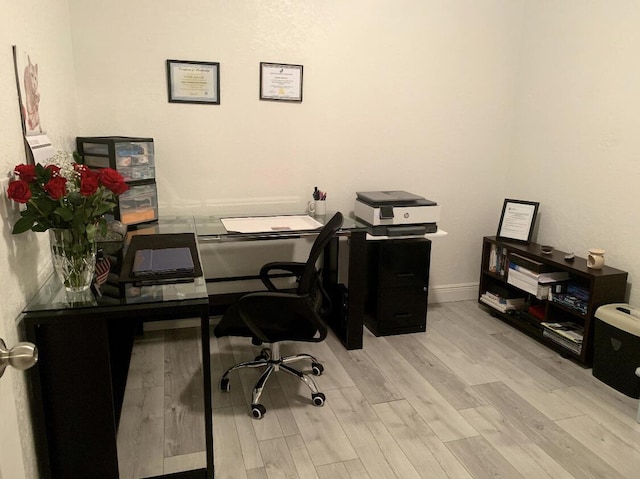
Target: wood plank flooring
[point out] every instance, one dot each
(469, 398)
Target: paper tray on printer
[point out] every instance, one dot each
(403, 230)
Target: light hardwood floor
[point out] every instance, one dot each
(469, 398)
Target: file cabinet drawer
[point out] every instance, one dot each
(397, 286)
(403, 308)
(403, 262)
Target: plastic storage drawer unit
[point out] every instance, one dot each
(617, 347)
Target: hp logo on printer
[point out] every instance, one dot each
(406, 215)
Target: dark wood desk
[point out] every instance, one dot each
(84, 346)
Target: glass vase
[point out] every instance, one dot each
(74, 258)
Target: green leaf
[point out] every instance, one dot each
(64, 213)
(22, 225)
(91, 231)
(105, 208)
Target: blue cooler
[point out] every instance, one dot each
(616, 347)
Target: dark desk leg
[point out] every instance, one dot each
(357, 288)
(208, 410)
(347, 326)
(74, 376)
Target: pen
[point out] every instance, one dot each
(316, 194)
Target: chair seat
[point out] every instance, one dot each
(286, 325)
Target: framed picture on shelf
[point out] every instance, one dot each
(193, 82)
(517, 220)
(280, 82)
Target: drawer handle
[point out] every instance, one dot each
(402, 315)
(405, 275)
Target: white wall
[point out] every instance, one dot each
(576, 145)
(466, 102)
(413, 94)
(42, 30)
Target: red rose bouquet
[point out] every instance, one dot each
(65, 194)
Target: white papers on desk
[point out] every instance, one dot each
(270, 224)
(41, 148)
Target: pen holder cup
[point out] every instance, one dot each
(317, 207)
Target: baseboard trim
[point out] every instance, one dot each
(453, 292)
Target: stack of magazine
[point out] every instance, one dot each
(502, 304)
(567, 334)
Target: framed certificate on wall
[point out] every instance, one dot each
(281, 82)
(193, 82)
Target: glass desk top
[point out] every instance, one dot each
(52, 295)
(211, 229)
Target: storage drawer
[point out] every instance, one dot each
(139, 204)
(404, 263)
(133, 158)
(402, 307)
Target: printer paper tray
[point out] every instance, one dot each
(403, 230)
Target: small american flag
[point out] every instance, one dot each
(103, 266)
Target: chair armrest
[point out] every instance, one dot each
(291, 267)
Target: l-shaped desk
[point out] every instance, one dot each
(84, 342)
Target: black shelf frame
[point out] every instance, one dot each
(606, 285)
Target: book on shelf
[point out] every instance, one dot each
(546, 291)
(575, 348)
(502, 261)
(525, 281)
(536, 311)
(493, 259)
(568, 330)
(567, 334)
(501, 304)
(497, 259)
(578, 291)
(554, 282)
(511, 301)
(576, 297)
(536, 267)
(553, 277)
(524, 271)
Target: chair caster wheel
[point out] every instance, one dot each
(317, 369)
(224, 385)
(318, 399)
(258, 411)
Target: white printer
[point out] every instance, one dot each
(396, 213)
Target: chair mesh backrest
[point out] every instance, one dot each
(310, 274)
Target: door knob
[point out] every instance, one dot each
(22, 356)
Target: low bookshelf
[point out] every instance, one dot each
(551, 299)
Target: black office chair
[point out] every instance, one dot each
(274, 315)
